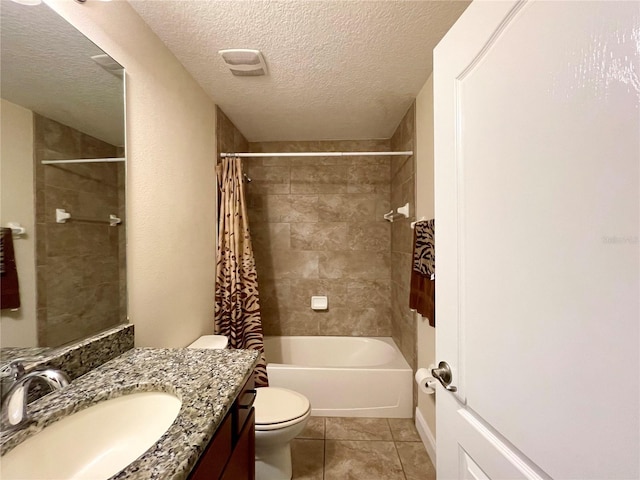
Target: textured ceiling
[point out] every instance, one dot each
(45, 66)
(337, 69)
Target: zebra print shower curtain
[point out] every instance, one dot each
(237, 306)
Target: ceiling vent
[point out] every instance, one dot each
(243, 62)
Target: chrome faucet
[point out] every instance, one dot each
(14, 402)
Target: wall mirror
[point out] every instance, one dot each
(62, 168)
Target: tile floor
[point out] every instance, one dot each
(338, 448)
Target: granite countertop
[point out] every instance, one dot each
(8, 354)
(207, 382)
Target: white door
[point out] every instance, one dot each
(537, 146)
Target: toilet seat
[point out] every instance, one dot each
(278, 408)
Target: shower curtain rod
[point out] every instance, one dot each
(314, 154)
(83, 160)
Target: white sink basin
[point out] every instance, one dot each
(96, 442)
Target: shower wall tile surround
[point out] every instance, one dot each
(80, 265)
(228, 137)
(317, 229)
(403, 324)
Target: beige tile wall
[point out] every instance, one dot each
(228, 137)
(80, 264)
(317, 229)
(403, 191)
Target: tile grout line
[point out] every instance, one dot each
(404, 474)
(395, 447)
(393, 439)
(324, 457)
(324, 446)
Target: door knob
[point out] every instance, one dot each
(443, 375)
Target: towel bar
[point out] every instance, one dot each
(421, 219)
(16, 229)
(62, 216)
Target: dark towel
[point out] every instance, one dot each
(422, 297)
(10, 293)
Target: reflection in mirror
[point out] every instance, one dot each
(62, 106)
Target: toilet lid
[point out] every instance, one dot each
(278, 405)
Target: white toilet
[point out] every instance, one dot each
(281, 415)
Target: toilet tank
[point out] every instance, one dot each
(210, 342)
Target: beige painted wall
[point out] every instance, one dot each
(18, 329)
(425, 208)
(170, 178)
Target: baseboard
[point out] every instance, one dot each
(426, 436)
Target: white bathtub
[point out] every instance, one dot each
(343, 376)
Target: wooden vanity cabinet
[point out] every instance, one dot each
(230, 454)
(242, 463)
